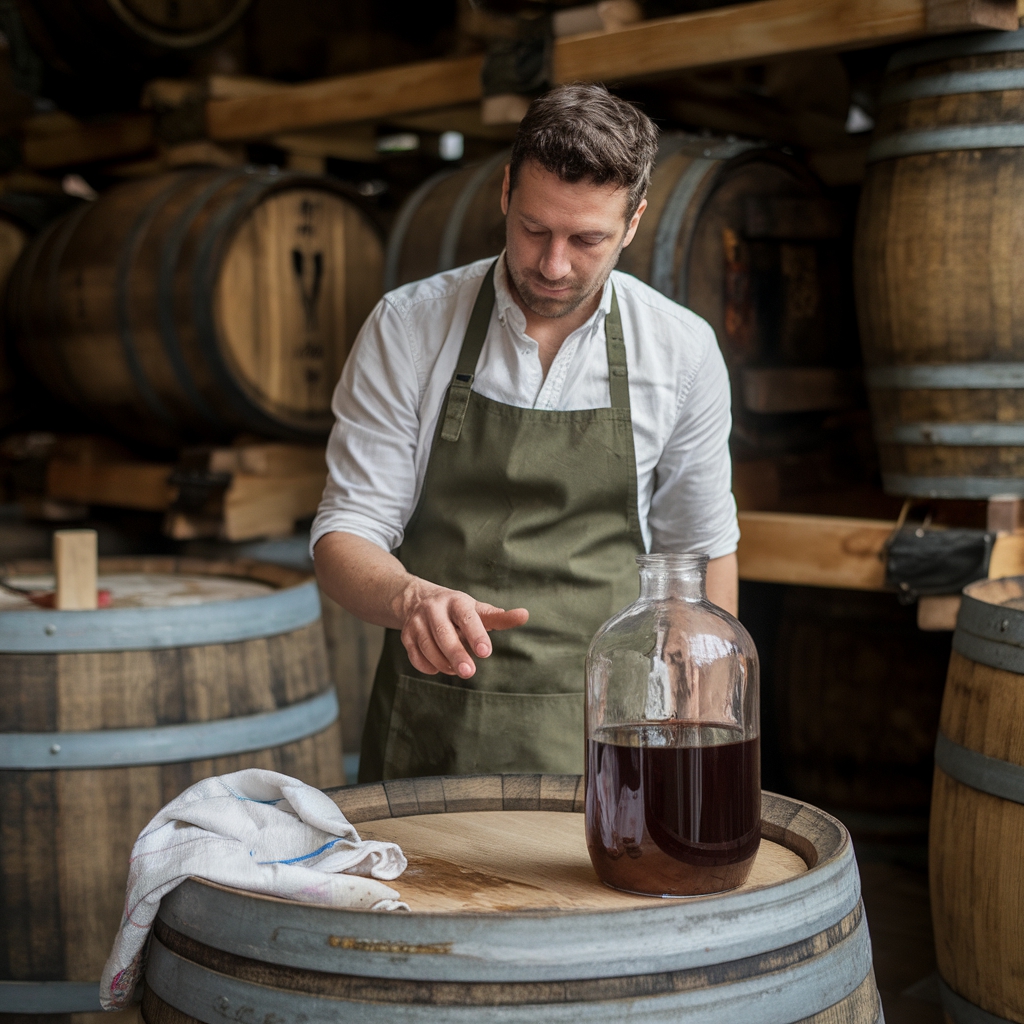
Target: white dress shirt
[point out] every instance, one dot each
(393, 386)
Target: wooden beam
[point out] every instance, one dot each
(816, 551)
(141, 485)
(248, 109)
(836, 551)
(373, 94)
(766, 28)
(86, 142)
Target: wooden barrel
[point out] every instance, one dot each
(739, 233)
(153, 25)
(938, 269)
(857, 690)
(977, 821)
(199, 668)
(509, 923)
(201, 303)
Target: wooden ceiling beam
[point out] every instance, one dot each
(723, 35)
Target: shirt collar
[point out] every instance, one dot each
(508, 308)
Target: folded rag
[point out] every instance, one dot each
(255, 830)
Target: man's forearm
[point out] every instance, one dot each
(363, 578)
(723, 583)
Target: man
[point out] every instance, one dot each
(517, 431)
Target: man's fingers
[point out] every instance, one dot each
(424, 654)
(466, 617)
(448, 641)
(498, 618)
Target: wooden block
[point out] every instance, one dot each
(74, 561)
(1007, 556)
(799, 388)
(345, 99)
(87, 142)
(141, 485)
(269, 459)
(938, 612)
(267, 506)
(601, 17)
(1003, 514)
(960, 15)
(818, 551)
(506, 108)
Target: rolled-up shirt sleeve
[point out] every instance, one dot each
(692, 507)
(371, 453)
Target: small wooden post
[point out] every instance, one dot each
(74, 562)
(1004, 513)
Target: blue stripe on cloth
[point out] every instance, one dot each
(305, 856)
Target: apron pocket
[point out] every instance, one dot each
(443, 729)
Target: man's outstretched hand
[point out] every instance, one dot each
(443, 630)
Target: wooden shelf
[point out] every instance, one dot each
(836, 551)
(724, 35)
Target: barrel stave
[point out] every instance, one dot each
(975, 872)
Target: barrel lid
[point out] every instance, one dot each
(956, 46)
(495, 943)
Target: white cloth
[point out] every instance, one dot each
(393, 385)
(255, 830)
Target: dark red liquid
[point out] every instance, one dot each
(673, 809)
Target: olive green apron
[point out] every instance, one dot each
(522, 508)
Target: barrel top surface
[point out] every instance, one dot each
(1007, 592)
(142, 590)
(477, 886)
(499, 861)
(159, 602)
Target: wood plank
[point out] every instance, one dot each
(521, 860)
(406, 88)
(86, 142)
(141, 485)
(817, 551)
(245, 109)
(752, 32)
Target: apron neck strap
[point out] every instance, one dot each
(618, 375)
(473, 343)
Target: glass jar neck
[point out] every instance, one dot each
(675, 576)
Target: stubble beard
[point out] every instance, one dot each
(554, 309)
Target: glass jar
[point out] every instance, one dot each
(673, 776)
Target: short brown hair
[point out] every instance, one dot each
(582, 132)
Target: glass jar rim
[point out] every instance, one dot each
(672, 560)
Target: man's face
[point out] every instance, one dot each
(562, 240)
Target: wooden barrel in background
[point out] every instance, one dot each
(509, 922)
(740, 233)
(199, 668)
(938, 272)
(153, 25)
(977, 821)
(857, 691)
(202, 303)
